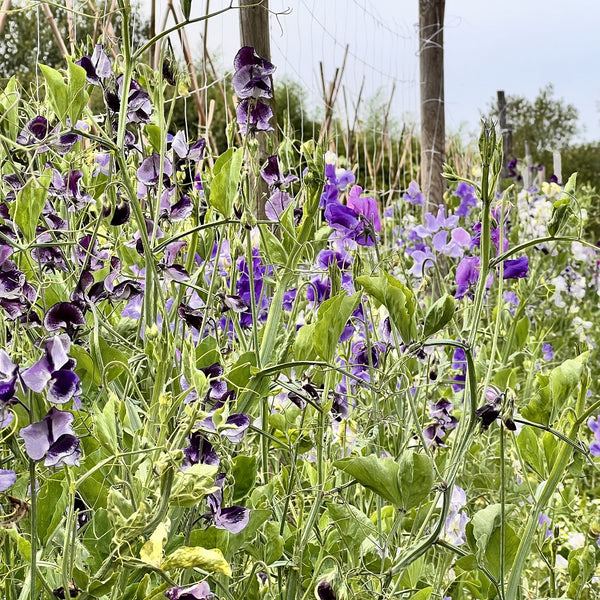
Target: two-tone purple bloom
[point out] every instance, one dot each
(54, 372)
(97, 66)
(230, 518)
(277, 182)
(197, 591)
(442, 423)
(252, 84)
(357, 221)
(468, 199)
(52, 439)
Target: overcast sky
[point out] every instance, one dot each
(515, 45)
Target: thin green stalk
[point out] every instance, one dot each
(33, 521)
(549, 487)
(485, 254)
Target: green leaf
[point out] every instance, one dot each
(333, 316)
(565, 378)
(485, 523)
(398, 299)
(273, 549)
(78, 97)
(521, 333)
(105, 424)
(416, 478)
(493, 553)
(439, 315)
(186, 557)
(423, 594)
(304, 347)
(274, 251)
(31, 199)
(224, 186)
(581, 566)
(9, 109)
(23, 545)
(561, 208)
(244, 471)
(404, 484)
(52, 503)
(353, 525)
(529, 446)
(539, 408)
(58, 92)
(193, 484)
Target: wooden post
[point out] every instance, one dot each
(433, 125)
(557, 166)
(506, 131)
(4, 13)
(254, 31)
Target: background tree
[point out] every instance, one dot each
(547, 123)
(27, 38)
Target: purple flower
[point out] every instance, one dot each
(413, 194)
(467, 274)
(468, 200)
(252, 78)
(456, 521)
(97, 66)
(7, 478)
(358, 220)
(64, 315)
(516, 269)
(149, 171)
(434, 224)
(53, 372)
(253, 116)
(443, 422)
(339, 178)
(52, 438)
(232, 518)
(198, 591)
(547, 351)
(187, 152)
(199, 450)
(594, 425)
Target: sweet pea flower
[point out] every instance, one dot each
(7, 478)
(52, 438)
(594, 425)
(232, 518)
(197, 591)
(97, 66)
(413, 194)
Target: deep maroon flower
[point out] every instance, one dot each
(492, 408)
(64, 315)
(199, 450)
(52, 438)
(252, 74)
(325, 590)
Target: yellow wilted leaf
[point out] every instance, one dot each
(186, 557)
(152, 550)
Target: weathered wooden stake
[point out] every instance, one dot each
(433, 123)
(254, 31)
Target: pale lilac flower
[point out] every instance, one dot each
(7, 478)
